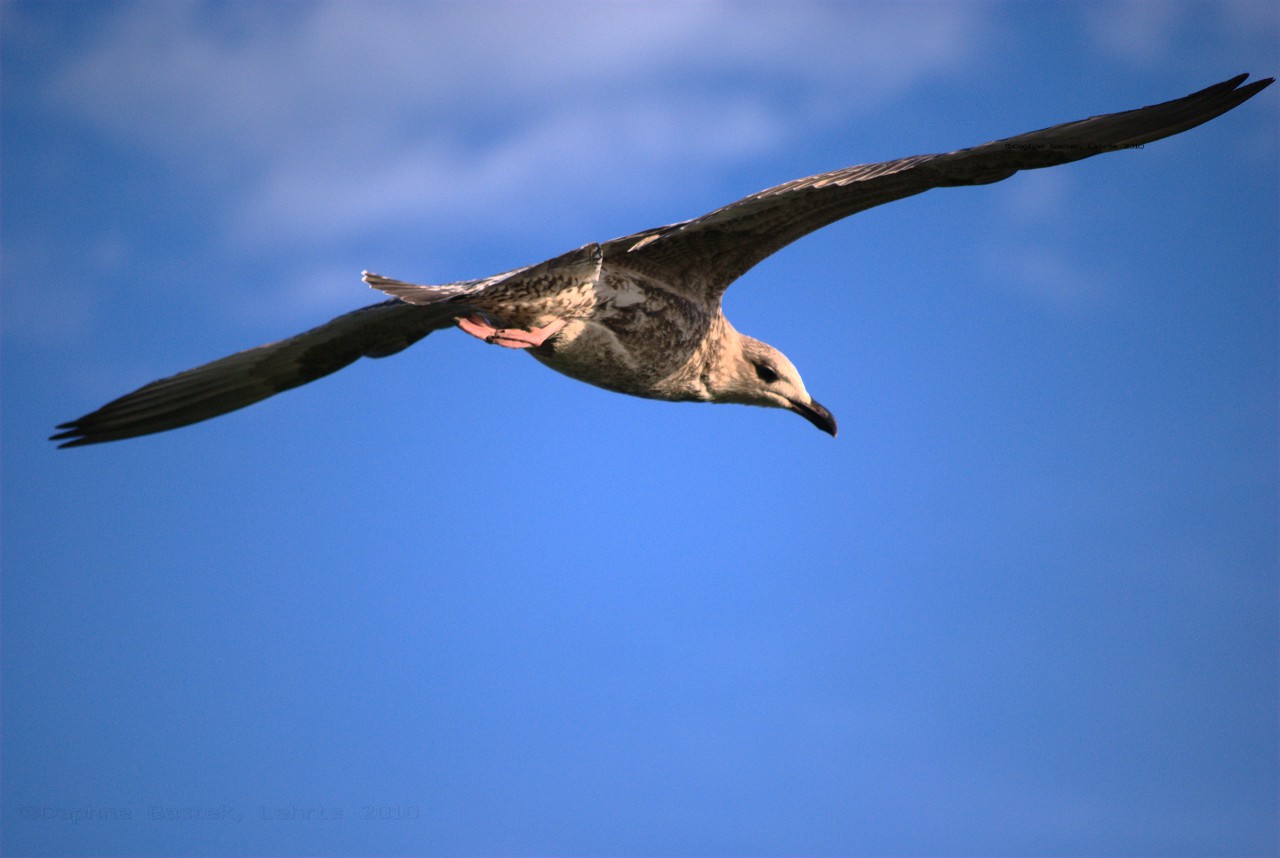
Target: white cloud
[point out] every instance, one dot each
(325, 120)
(1255, 17)
(295, 296)
(42, 304)
(1140, 32)
(1035, 196)
(569, 155)
(1029, 252)
(1046, 273)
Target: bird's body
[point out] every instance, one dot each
(640, 314)
(624, 331)
(641, 338)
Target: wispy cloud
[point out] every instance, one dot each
(1036, 196)
(1045, 272)
(324, 120)
(1027, 252)
(587, 155)
(1140, 32)
(1149, 34)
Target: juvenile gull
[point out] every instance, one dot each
(639, 314)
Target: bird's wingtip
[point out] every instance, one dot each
(69, 438)
(1252, 87)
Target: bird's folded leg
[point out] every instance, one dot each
(513, 338)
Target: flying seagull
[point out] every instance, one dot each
(639, 314)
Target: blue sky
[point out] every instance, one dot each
(1024, 605)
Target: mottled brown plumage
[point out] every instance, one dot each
(639, 314)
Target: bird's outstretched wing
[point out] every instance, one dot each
(710, 252)
(254, 374)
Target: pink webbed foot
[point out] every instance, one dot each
(513, 338)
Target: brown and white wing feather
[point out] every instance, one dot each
(710, 252)
(254, 374)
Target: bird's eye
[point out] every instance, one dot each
(766, 373)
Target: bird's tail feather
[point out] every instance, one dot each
(414, 293)
(576, 265)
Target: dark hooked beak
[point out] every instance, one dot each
(817, 415)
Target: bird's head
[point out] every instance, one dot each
(758, 374)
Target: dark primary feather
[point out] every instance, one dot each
(254, 374)
(710, 252)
